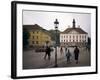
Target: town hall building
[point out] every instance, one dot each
(74, 36)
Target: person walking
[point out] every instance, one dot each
(68, 56)
(47, 52)
(76, 54)
(61, 50)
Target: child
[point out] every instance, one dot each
(68, 55)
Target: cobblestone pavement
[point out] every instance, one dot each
(35, 60)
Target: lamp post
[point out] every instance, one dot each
(56, 23)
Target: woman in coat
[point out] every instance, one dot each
(76, 54)
(68, 55)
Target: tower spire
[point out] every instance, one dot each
(74, 23)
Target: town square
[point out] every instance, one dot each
(33, 60)
(52, 47)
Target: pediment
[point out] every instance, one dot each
(73, 32)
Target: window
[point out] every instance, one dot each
(36, 42)
(61, 36)
(37, 37)
(82, 36)
(85, 37)
(61, 40)
(33, 37)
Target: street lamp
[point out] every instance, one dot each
(56, 23)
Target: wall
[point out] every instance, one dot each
(5, 40)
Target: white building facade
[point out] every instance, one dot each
(73, 36)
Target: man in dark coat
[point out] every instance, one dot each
(76, 54)
(48, 51)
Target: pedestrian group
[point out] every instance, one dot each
(67, 54)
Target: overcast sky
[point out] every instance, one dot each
(46, 19)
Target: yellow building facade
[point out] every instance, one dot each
(39, 38)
